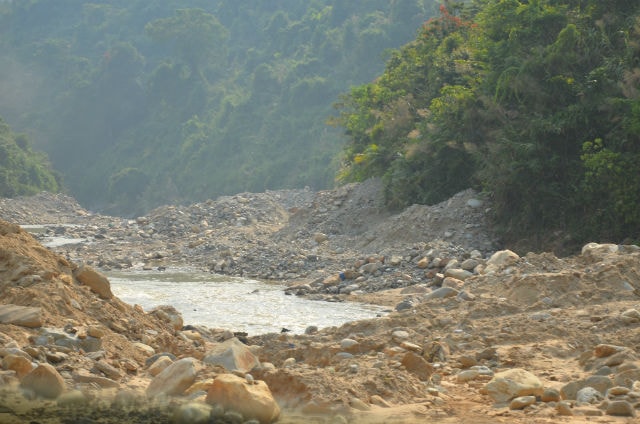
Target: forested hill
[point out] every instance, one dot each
(140, 103)
(536, 102)
(23, 171)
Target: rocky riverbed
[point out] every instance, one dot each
(479, 334)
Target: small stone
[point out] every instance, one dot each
(604, 350)
(474, 203)
(45, 381)
(175, 379)
(564, 408)
(598, 251)
(320, 238)
(618, 391)
(458, 273)
(252, 401)
(24, 316)
(467, 361)
(289, 362)
(21, 365)
(410, 346)
(417, 365)
(588, 395)
(83, 376)
(159, 365)
(621, 408)
(95, 331)
(144, 348)
(404, 305)
(423, 263)
(522, 402)
(95, 280)
(512, 383)
(630, 316)
(56, 357)
(467, 375)
(502, 259)
(399, 336)
(626, 377)
(453, 283)
(442, 293)
(550, 395)
(379, 401)
(359, 404)
(108, 370)
(312, 329)
(346, 344)
(469, 264)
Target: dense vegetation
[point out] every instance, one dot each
(22, 170)
(140, 103)
(536, 102)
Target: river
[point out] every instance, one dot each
(237, 304)
(218, 301)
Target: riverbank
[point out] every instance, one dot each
(477, 335)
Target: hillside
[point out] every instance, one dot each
(140, 105)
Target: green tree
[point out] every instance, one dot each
(195, 35)
(23, 171)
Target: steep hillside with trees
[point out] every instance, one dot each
(535, 102)
(143, 103)
(22, 170)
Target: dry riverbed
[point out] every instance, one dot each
(477, 334)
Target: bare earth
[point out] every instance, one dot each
(537, 312)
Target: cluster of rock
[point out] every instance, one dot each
(427, 271)
(469, 322)
(284, 235)
(612, 389)
(204, 389)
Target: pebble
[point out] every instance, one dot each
(588, 395)
(564, 408)
(467, 375)
(550, 395)
(522, 402)
(359, 404)
(348, 343)
(399, 336)
(621, 408)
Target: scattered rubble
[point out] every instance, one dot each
(478, 332)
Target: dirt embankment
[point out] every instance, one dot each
(566, 331)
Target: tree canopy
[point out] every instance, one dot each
(23, 171)
(144, 103)
(534, 102)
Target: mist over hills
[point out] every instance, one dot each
(144, 103)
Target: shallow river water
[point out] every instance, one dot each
(218, 301)
(235, 304)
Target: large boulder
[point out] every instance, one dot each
(96, 281)
(23, 316)
(233, 355)
(175, 379)
(252, 399)
(510, 384)
(44, 381)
